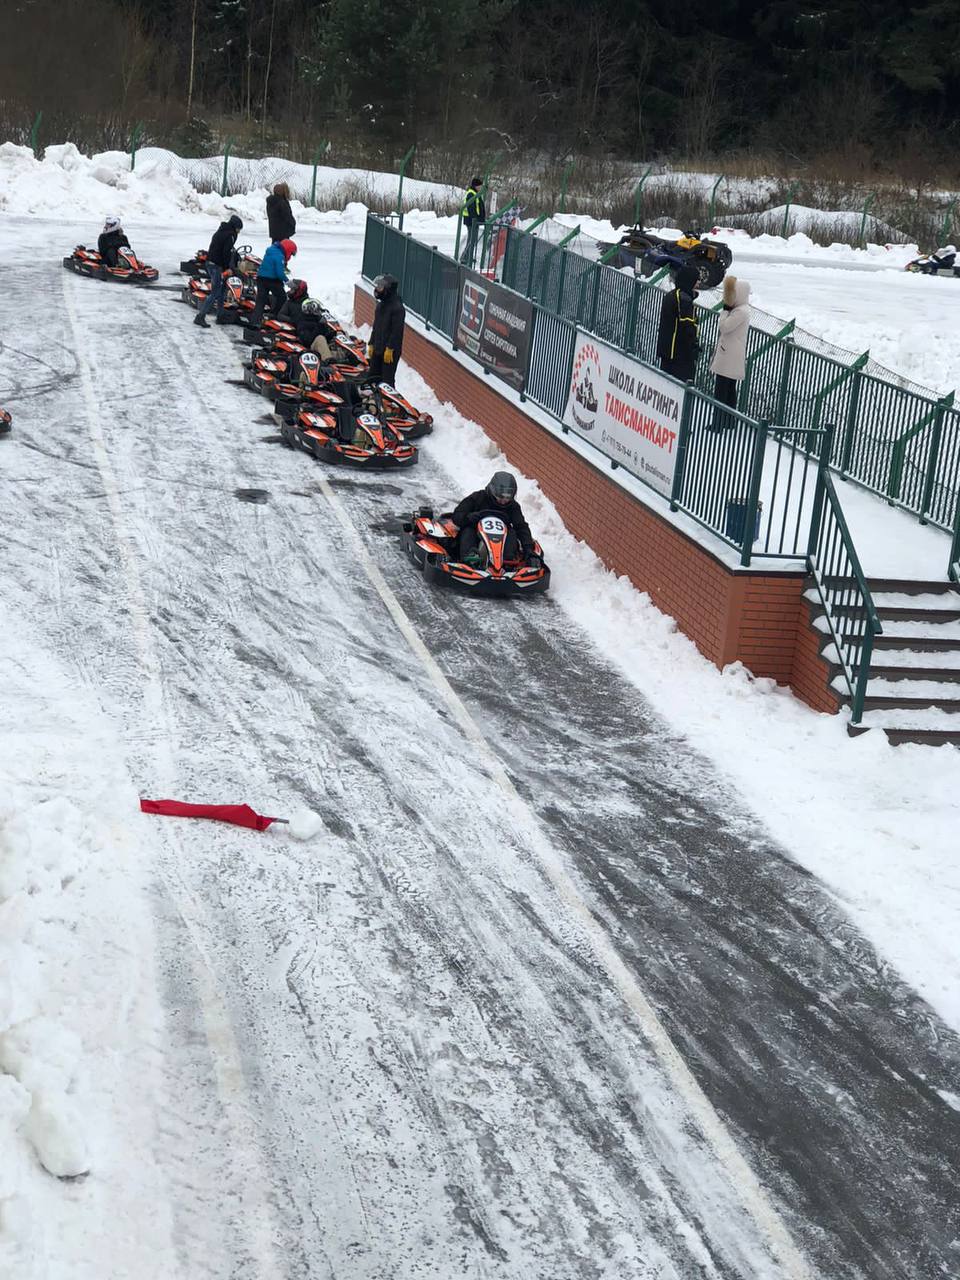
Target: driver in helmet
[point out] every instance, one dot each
(313, 331)
(498, 498)
(111, 239)
(296, 293)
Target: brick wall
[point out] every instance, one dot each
(759, 619)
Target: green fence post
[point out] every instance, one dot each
(403, 169)
(134, 143)
(35, 132)
(563, 186)
(853, 408)
(863, 220)
(486, 177)
(313, 181)
(712, 211)
(936, 432)
(433, 259)
(953, 569)
(226, 161)
(791, 190)
(638, 198)
(753, 496)
(947, 222)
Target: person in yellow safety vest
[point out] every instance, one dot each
(474, 214)
(678, 343)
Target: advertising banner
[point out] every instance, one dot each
(631, 413)
(494, 325)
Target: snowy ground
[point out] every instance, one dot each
(433, 1041)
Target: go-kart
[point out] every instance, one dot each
(647, 253)
(6, 422)
(433, 543)
(339, 434)
(129, 268)
(316, 382)
(237, 299)
(247, 263)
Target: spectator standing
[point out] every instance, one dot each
(281, 223)
(729, 361)
(678, 343)
(386, 339)
(221, 258)
(270, 279)
(474, 213)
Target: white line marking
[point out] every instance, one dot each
(753, 1197)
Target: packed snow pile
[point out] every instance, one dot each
(163, 186)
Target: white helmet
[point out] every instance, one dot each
(950, 248)
(112, 224)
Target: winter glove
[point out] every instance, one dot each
(369, 350)
(388, 356)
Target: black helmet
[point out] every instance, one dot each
(298, 289)
(503, 487)
(235, 221)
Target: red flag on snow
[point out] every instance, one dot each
(241, 815)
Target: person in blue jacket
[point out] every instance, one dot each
(270, 279)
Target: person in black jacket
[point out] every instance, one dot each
(296, 293)
(221, 259)
(677, 342)
(110, 240)
(473, 212)
(386, 340)
(280, 220)
(311, 326)
(498, 498)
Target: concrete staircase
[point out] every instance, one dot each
(914, 688)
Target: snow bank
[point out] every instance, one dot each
(76, 986)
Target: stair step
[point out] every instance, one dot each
(907, 673)
(910, 587)
(935, 692)
(919, 737)
(901, 612)
(918, 643)
(883, 702)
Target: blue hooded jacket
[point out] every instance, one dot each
(274, 265)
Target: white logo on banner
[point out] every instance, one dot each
(632, 413)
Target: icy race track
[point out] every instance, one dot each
(418, 1047)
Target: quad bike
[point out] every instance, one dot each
(129, 268)
(339, 434)
(238, 301)
(433, 543)
(6, 422)
(647, 253)
(930, 265)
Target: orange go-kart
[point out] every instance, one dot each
(129, 268)
(433, 543)
(247, 263)
(339, 435)
(237, 299)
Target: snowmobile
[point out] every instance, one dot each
(129, 268)
(237, 299)
(338, 434)
(433, 543)
(6, 422)
(647, 253)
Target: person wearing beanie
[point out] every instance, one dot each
(678, 344)
(270, 277)
(221, 260)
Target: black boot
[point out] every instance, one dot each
(201, 321)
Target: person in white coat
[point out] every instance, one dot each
(729, 361)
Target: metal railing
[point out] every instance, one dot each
(954, 570)
(848, 606)
(895, 440)
(763, 489)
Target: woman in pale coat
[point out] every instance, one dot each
(730, 358)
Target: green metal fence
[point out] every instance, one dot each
(893, 440)
(762, 489)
